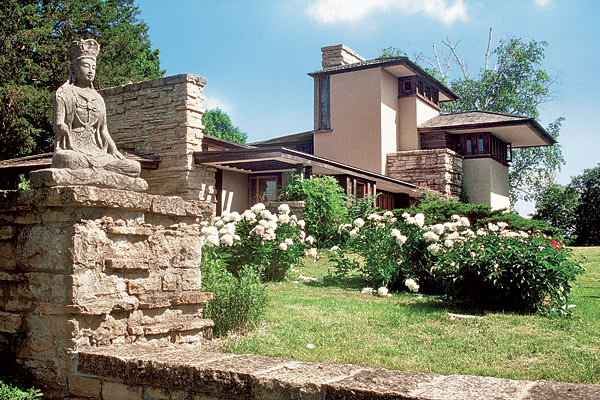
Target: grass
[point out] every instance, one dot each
(412, 332)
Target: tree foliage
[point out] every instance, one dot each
(515, 84)
(574, 208)
(218, 124)
(34, 39)
(557, 204)
(587, 225)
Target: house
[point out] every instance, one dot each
(377, 130)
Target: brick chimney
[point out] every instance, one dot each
(338, 55)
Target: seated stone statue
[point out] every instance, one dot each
(84, 152)
(82, 138)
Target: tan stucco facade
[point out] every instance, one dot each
(486, 181)
(355, 110)
(234, 192)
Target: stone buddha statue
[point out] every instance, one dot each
(84, 152)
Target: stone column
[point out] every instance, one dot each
(85, 266)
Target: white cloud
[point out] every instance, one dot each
(542, 3)
(340, 11)
(211, 103)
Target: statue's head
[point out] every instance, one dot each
(82, 54)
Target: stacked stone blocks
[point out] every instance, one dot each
(163, 118)
(438, 169)
(85, 266)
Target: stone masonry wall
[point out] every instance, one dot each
(438, 169)
(84, 266)
(163, 118)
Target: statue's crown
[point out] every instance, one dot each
(85, 48)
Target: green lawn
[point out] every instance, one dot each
(411, 332)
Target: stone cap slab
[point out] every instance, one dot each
(228, 376)
(95, 197)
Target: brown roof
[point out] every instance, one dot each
(514, 129)
(470, 118)
(44, 160)
(294, 137)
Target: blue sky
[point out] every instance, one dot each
(255, 54)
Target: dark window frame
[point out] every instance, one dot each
(324, 103)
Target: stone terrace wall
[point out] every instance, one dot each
(84, 266)
(438, 169)
(146, 373)
(163, 118)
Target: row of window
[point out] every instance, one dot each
(263, 188)
(412, 85)
(468, 144)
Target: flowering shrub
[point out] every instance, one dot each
(500, 268)
(492, 266)
(269, 243)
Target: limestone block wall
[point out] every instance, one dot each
(163, 118)
(439, 169)
(85, 266)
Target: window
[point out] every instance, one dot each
(361, 190)
(262, 188)
(324, 118)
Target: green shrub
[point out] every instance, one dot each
(10, 392)
(324, 205)
(239, 300)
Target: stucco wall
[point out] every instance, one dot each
(389, 115)
(355, 133)
(486, 182)
(425, 111)
(408, 138)
(234, 193)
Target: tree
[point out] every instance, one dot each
(516, 84)
(557, 205)
(587, 214)
(34, 38)
(218, 124)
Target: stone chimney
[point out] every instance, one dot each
(338, 55)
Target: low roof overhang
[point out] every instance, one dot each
(281, 159)
(520, 133)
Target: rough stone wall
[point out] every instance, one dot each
(84, 266)
(163, 118)
(438, 169)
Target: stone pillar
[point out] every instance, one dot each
(438, 169)
(338, 55)
(163, 118)
(85, 266)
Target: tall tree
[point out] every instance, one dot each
(587, 215)
(511, 81)
(34, 39)
(218, 124)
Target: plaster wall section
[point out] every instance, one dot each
(408, 137)
(486, 182)
(389, 115)
(355, 108)
(425, 111)
(234, 193)
(163, 118)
